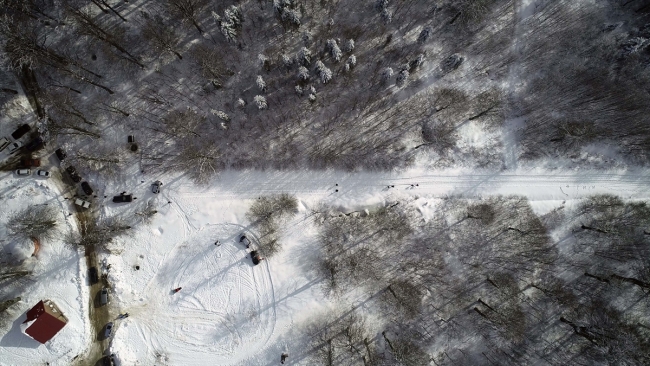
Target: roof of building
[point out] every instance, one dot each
(45, 320)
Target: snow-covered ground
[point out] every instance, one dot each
(58, 273)
(230, 312)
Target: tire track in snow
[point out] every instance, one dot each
(219, 327)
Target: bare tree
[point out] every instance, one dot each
(188, 10)
(161, 36)
(38, 221)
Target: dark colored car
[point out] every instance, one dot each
(94, 277)
(29, 163)
(86, 188)
(108, 360)
(20, 131)
(103, 296)
(123, 198)
(72, 172)
(35, 144)
(257, 258)
(244, 240)
(60, 153)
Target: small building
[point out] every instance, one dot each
(44, 321)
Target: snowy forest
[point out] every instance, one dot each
(209, 86)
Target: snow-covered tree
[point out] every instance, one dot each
(402, 78)
(416, 63)
(424, 34)
(299, 90)
(240, 103)
(312, 98)
(334, 50)
(387, 15)
(304, 56)
(221, 115)
(291, 17)
(381, 5)
(287, 61)
(303, 73)
(260, 101)
(323, 72)
(352, 60)
(386, 74)
(349, 45)
(261, 84)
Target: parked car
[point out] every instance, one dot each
(103, 296)
(109, 330)
(123, 198)
(43, 173)
(4, 142)
(82, 203)
(155, 188)
(35, 144)
(23, 172)
(244, 240)
(72, 172)
(108, 360)
(15, 146)
(92, 274)
(86, 188)
(60, 153)
(31, 163)
(257, 258)
(20, 131)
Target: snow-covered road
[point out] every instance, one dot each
(536, 185)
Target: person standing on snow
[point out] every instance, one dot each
(177, 289)
(283, 357)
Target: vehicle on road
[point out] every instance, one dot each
(60, 153)
(82, 203)
(257, 258)
(86, 188)
(244, 240)
(155, 188)
(31, 163)
(109, 330)
(43, 173)
(103, 296)
(15, 146)
(92, 275)
(123, 198)
(20, 131)
(4, 142)
(72, 172)
(23, 172)
(35, 144)
(108, 360)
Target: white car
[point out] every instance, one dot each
(82, 203)
(15, 147)
(43, 173)
(23, 172)
(4, 142)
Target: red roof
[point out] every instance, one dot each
(47, 321)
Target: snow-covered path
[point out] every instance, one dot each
(534, 184)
